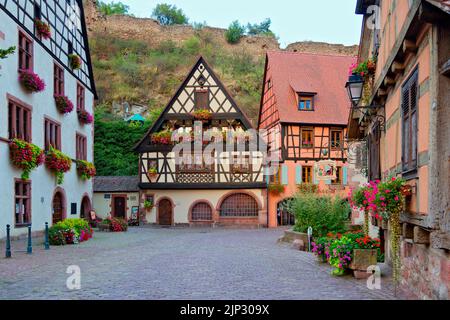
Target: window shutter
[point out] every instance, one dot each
(313, 172)
(266, 174)
(298, 174)
(344, 176)
(284, 174)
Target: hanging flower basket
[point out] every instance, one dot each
(31, 81)
(86, 169)
(26, 156)
(202, 115)
(275, 188)
(85, 117)
(43, 29)
(153, 173)
(63, 104)
(163, 137)
(148, 205)
(59, 163)
(75, 61)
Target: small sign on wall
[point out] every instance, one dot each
(73, 208)
(107, 196)
(325, 170)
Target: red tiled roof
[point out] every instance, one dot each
(322, 74)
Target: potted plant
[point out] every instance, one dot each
(86, 169)
(319, 247)
(58, 162)
(202, 115)
(31, 81)
(43, 29)
(63, 104)
(365, 253)
(153, 173)
(85, 117)
(276, 188)
(25, 156)
(163, 137)
(148, 205)
(75, 61)
(339, 254)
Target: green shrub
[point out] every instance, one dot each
(112, 8)
(262, 28)
(192, 45)
(235, 32)
(69, 231)
(323, 213)
(167, 15)
(307, 188)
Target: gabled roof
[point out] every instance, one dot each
(158, 123)
(116, 184)
(322, 74)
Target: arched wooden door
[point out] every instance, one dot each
(57, 208)
(85, 208)
(165, 212)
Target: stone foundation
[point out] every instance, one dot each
(425, 271)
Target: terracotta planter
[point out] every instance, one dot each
(363, 258)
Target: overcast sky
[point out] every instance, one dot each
(332, 21)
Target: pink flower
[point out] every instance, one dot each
(396, 198)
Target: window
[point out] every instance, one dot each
(305, 102)
(307, 174)
(69, 47)
(194, 163)
(239, 205)
(37, 11)
(19, 119)
(336, 138)
(374, 153)
(22, 212)
(52, 134)
(58, 80)
(201, 99)
(276, 177)
(409, 123)
(241, 164)
(80, 97)
(201, 212)
(25, 52)
(338, 179)
(307, 138)
(81, 147)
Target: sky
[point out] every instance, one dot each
(332, 21)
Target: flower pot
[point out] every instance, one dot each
(363, 258)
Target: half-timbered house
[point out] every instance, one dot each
(222, 185)
(50, 41)
(304, 109)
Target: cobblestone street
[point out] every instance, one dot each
(154, 263)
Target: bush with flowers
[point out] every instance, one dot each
(85, 117)
(70, 231)
(75, 61)
(162, 137)
(43, 29)
(58, 162)
(31, 81)
(116, 224)
(363, 69)
(63, 104)
(339, 254)
(26, 156)
(320, 246)
(86, 169)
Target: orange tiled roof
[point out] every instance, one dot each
(322, 74)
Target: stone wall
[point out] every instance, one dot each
(322, 47)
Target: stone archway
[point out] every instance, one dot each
(85, 207)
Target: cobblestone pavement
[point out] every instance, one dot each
(176, 263)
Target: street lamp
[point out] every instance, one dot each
(354, 88)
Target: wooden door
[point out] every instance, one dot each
(57, 207)
(119, 207)
(165, 212)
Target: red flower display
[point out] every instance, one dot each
(75, 61)
(43, 29)
(86, 169)
(58, 162)
(26, 156)
(63, 104)
(85, 117)
(31, 81)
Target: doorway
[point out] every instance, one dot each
(85, 208)
(284, 216)
(165, 212)
(119, 207)
(57, 208)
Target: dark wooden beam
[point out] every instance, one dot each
(397, 67)
(388, 81)
(201, 186)
(409, 46)
(445, 69)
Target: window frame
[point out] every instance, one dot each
(25, 54)
(304, 170)
(304, 96)
(26, 133)
(48, 140)
(21, 197)
(80, 146)
(341, 135)
(312, 138)
(196, 99)
(58, 79)
(237, 167)
(81, 97)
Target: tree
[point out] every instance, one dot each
(235, 32)
(168, 15)
(4, 53)
(262, 28)
(112, 8)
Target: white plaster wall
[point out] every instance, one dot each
(42, 181)
(103, 206)
(183, 199)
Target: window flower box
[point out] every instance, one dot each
(26, 156)
(75, 61)
(43, 29)
(163, 137)
(58, 162)
(202, 115)
(307, 144)
(63, 104)
(31, 81)
(85, 117)
(86, 169)
(276, 188)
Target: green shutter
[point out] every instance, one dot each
(344, 176)
(284, 174)
(315, 181)
(298, 174)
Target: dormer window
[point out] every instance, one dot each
(305, 102)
